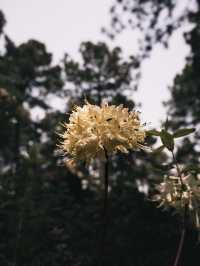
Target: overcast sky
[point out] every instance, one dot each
(63, 24)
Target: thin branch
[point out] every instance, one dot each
(183, 231)
(105, 210)
(177, 168)
(182, 238)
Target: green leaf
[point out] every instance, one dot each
(167, 140)
(153, 132)
(159, 149)
(192, 168)
(166, 125)
(183, 132)
(165, 167)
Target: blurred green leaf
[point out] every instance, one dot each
(183, 132)
(192, 168)
(159, 149)
(167, 140)
(166, 125)
(153, 132)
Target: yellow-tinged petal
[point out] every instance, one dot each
(92, 130)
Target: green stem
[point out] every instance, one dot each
(177, 168)
(105, 205)
(182, 238)
(105, 211)
(183, 231)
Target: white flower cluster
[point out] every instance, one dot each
(178, 192)
(93, 129)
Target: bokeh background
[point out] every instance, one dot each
(144, 54)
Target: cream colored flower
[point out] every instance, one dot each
(172, 193)
(175, 194)
(92, 130)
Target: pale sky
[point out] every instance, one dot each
(63, 24)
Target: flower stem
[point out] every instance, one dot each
(183, 231)
(105, 210)
(177, 168)
(105, 205)
(180, 247)
(182, 238)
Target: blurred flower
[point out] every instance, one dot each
(92, 130)
(73, 168)
(3, 93)
(6, 97)
(177, 194)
